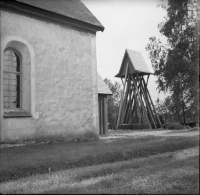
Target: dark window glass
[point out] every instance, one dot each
(11, 80)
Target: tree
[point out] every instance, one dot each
(176, 64)
(163, 110)
(113, 102)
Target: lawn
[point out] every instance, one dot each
(149, 164)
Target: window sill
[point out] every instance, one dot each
(16, 114)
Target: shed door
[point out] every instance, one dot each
(102, 127)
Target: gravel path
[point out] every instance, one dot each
(116, 134)
(128, 133)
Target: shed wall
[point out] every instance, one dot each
(103, 113)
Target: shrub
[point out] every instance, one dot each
(195, 129)
(176, 126)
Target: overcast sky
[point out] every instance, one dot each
(128, 25)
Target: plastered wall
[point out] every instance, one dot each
(63, 96)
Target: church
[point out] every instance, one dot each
(48, 71)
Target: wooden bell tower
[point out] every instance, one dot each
(136, 109)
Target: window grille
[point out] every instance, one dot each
(11, 80)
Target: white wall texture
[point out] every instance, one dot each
(63, 80)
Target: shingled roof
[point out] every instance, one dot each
(102, 87)
(136, 64)
(70, 8)
(65, 12)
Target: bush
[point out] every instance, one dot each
(195, 129)
(176, 126)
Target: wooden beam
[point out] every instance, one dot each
(147, 103)
(132, 113)
(131, 105)
(147, 79)
(139, 114)
(120, 108)
(140, 107)
(148, 100)
(125, 102)
(126, 119)
(136, 104)
(152, 104)
(122, 81)
(126, 112)
(140, 99)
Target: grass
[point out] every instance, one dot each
(150, 164)
(168, 173)
(18, 162)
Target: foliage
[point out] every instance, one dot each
(113, 102)
(176, 126)
(195, 129)
(165, 109)
(176, 63)
(171, 111)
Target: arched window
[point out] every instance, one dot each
(12, 79)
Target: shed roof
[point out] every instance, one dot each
(102, 87)
(136, 64)
(71, 8)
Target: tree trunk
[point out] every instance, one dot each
(183, 107)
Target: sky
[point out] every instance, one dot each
(128, 25)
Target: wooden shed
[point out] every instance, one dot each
(103, 92)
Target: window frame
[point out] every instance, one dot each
(11, 72)
(15, 112)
